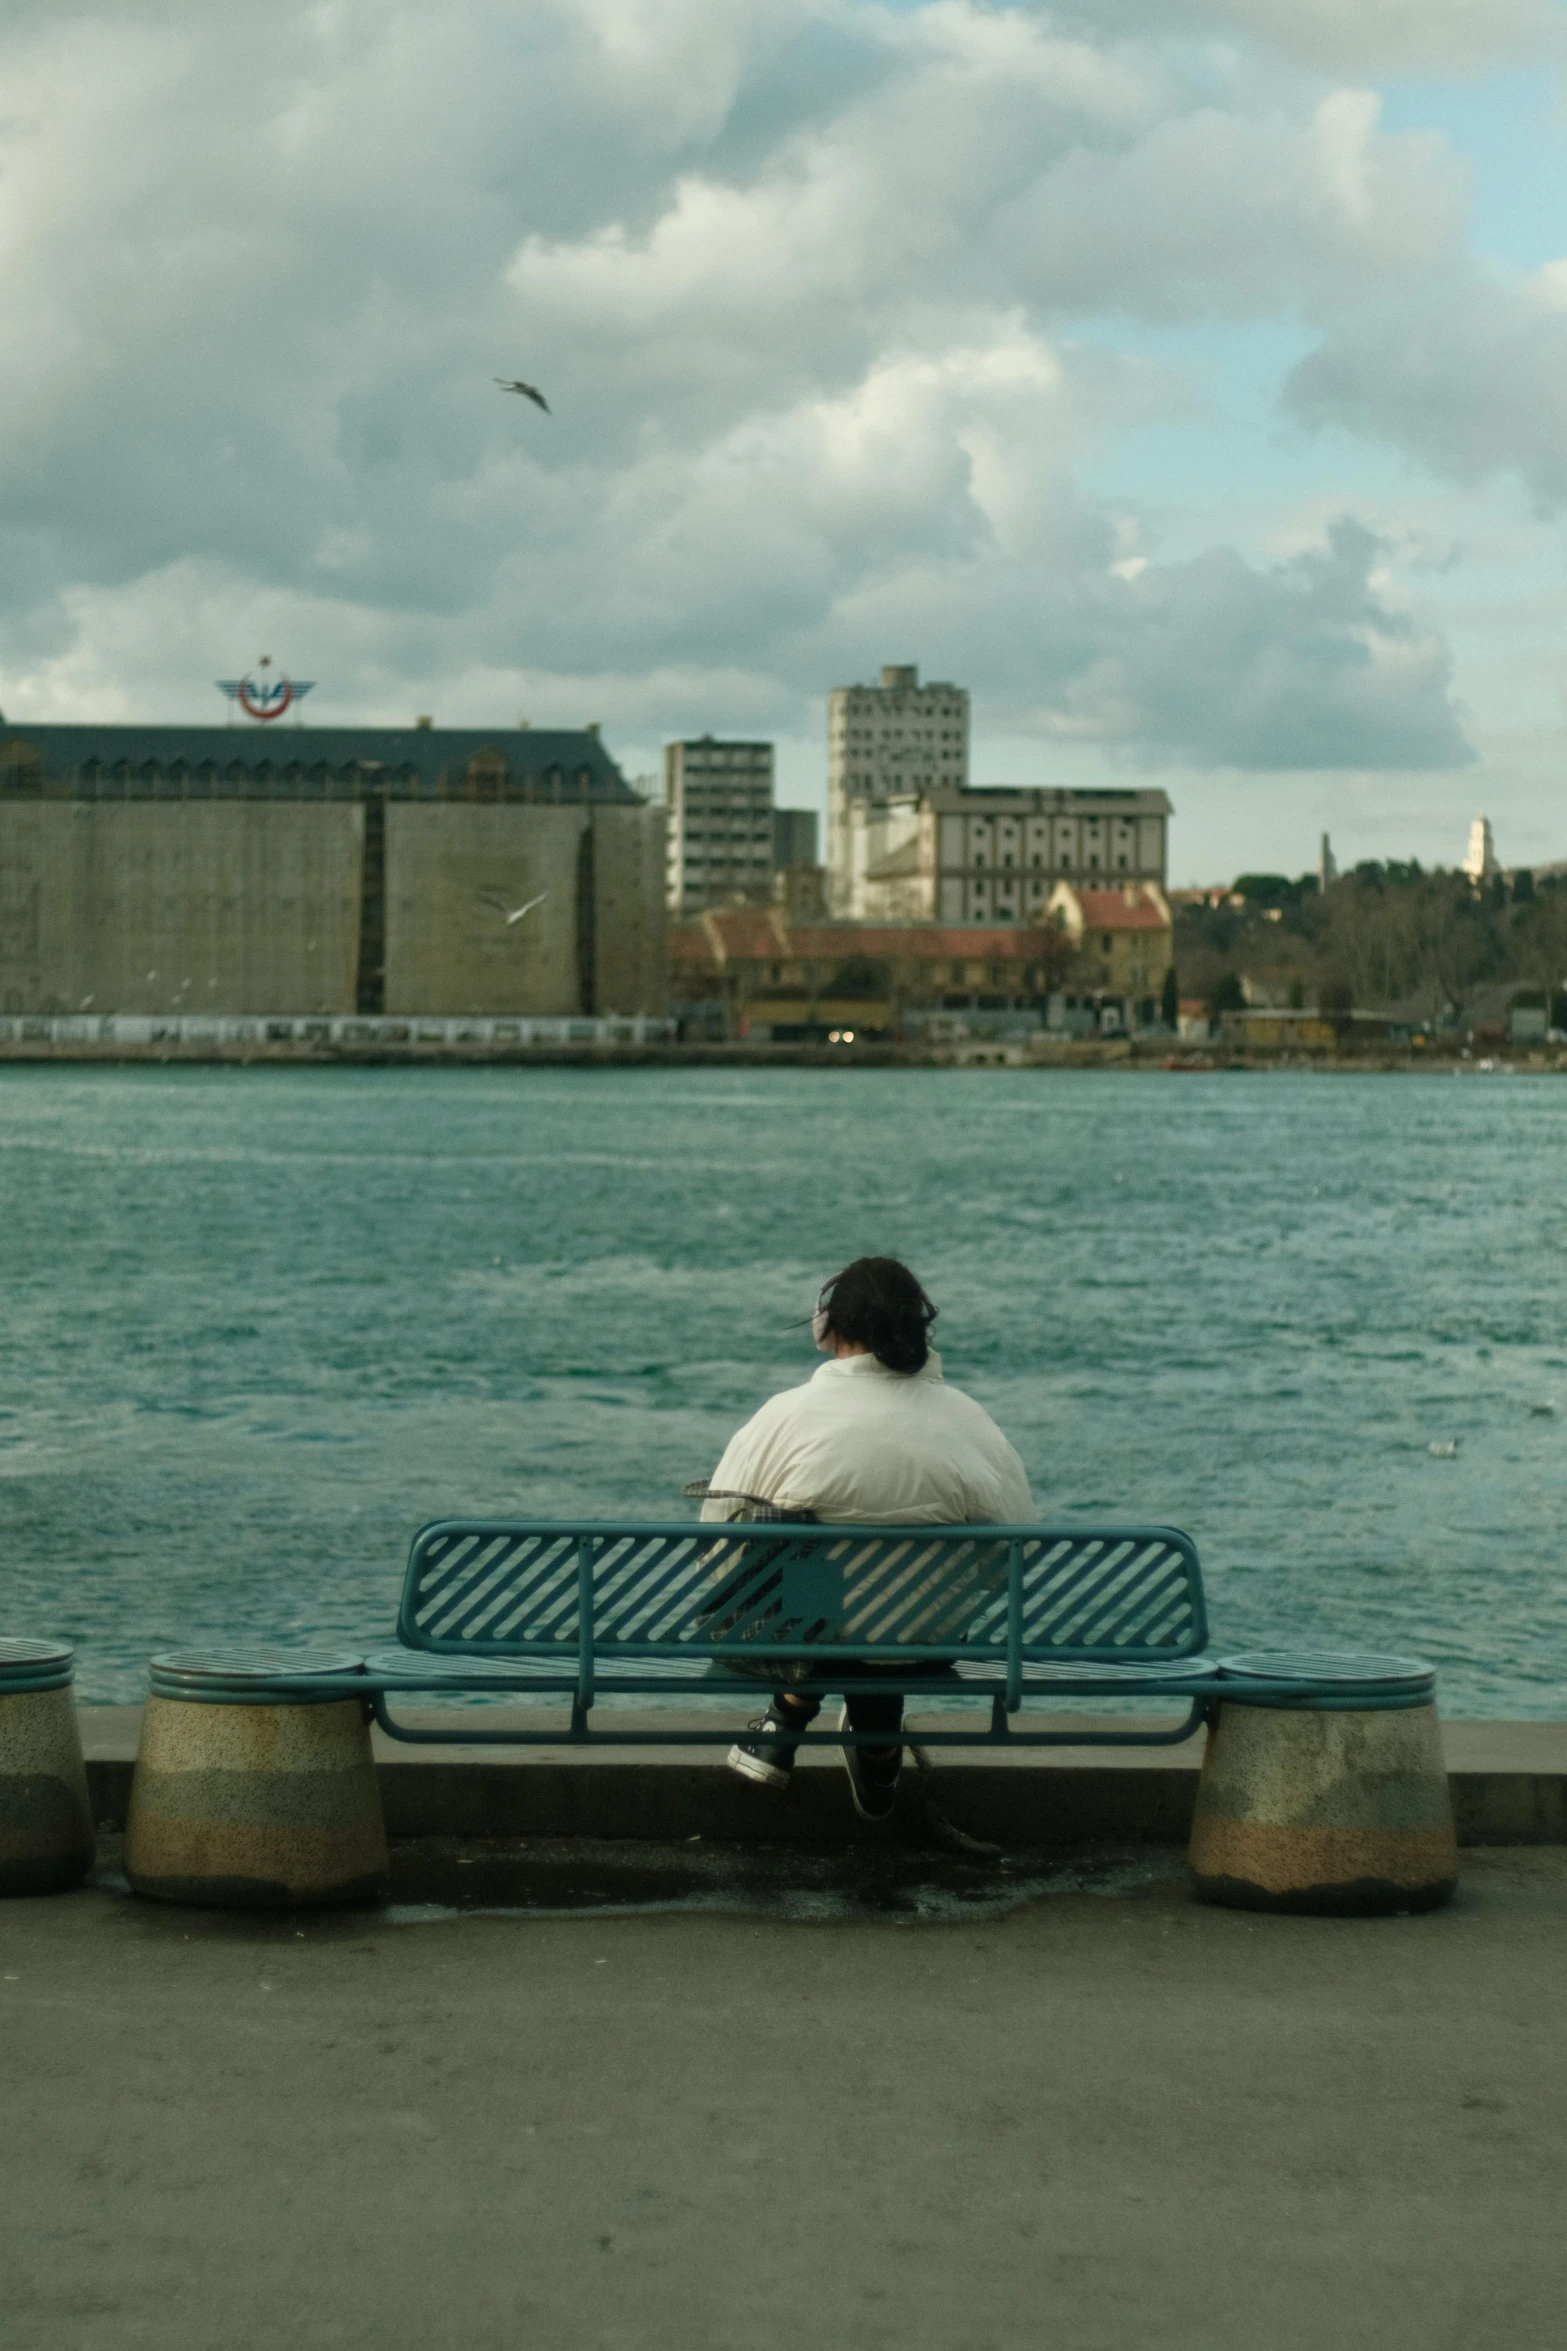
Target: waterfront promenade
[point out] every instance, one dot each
(885, 2099)
(1107, 2118)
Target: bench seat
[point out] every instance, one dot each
(588, 1611)
(1322, 1786)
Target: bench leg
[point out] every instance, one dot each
(46, 1829)
(1342, 1812)
(262, 1807)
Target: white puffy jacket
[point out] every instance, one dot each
(863, 1446)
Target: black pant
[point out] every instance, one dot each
(869, 1710)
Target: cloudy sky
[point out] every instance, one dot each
(1188, 378)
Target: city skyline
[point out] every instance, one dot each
(292, 742)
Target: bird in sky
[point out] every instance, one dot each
(528, 391)
(515, 913)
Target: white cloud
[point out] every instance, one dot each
(811, 285)
(1469, 374)
(1352, 36)
(1307, 664)
(1004, 164)
(1214, 663)
(1237, 214)
(1405, 36)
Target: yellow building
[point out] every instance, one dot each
(760, 974)
(1123, 942)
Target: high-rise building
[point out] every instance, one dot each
(718, 799)
(892, 741)
(1327, 867)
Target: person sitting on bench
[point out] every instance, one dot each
(875, 1438)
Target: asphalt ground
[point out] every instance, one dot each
(1090, 2115)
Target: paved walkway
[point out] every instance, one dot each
(1104, 2121)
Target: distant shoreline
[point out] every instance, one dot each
(1098, 1054)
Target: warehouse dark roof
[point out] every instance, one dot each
(283, 762)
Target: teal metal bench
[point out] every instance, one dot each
(994, 1615)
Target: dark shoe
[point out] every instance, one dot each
(873, 1776)
(767, 1755)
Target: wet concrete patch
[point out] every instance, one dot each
(435, 1878)
(438, 1877)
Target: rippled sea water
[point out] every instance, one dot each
(259, 1324)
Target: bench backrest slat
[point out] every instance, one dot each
(506, 1588)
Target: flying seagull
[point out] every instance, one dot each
(528, 391)
(517, 912)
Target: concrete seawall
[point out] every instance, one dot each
(978, 1054)
(1509, 1783)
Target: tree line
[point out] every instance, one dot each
(1383, 935)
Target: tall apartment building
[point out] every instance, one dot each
(887, 742)
(718, 800)
(995, 855)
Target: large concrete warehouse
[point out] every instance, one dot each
(325, 870)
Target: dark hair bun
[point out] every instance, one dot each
(877, 1303)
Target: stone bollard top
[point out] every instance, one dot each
(34, 1665)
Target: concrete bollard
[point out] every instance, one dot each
(46, 1827)
(268, 1802)
(1329, 1806)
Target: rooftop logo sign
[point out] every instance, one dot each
(265, 693)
